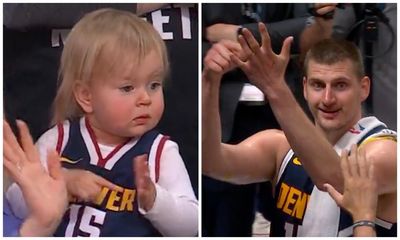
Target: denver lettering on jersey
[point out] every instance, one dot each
(292, 201)
(117, 201)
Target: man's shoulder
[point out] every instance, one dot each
(379, 136)
(380, 141)
(381, 144)
(268, 135)
(382, 152)
(272, 139)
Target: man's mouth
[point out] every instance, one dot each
(329, 114)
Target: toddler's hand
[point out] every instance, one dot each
(85, 185)
(146, 190)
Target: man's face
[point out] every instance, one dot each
(334, 94)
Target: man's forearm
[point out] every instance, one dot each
(212, 160)
(309, 144)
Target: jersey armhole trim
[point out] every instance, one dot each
(160, 148)
(60, 138)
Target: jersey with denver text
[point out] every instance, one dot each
(293, 193)
(114, 213)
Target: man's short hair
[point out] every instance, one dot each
(331, 51)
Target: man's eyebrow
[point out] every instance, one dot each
(313, 79)
(332, 80)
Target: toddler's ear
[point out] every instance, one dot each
(83, 96)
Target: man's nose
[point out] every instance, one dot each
(329, 97)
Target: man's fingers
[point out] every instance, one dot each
(214, 67)
(241, 64)
(246, 51)
(252, 42)
(231, 45)
(334, 194)
(285, 51)
(265, 38)
(221, 62)
(223, 51)
(211, 65)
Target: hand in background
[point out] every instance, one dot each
(146, 190)
(324, 8)
(44, 192)
(221, 31)
(144, 8)
(360, 190)
(324, 25)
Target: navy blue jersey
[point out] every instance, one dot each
(303, 210)
(114, 213)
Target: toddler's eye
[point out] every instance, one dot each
(155, 85)
(126, 88)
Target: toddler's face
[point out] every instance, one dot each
(130, 102)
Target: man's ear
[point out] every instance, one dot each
(365, 88)
(83, 96)
(304, 87)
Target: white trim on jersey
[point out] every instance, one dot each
(152, 157)
(284, 163)
(360, 130)
(65, 135)
(94, 158)
(383, 223)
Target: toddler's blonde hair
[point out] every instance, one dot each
(103, 39)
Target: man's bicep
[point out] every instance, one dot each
(254, 159)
